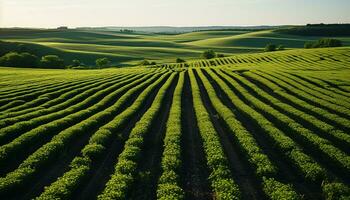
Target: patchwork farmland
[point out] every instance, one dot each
(249, 126)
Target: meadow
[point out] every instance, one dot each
(269, 125)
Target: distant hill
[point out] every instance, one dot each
(171, 29)
(327, 30)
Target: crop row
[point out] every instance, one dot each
(47, 153)
(98, 144)
(123, 177)
(262, 165)
(221, 180)
(58, 114)
(169, 181)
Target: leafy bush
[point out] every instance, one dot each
(51, 61)
(103, 62)
(14, 59)
(270, 47)
(333, 191)
(209, 54)
(322, 43)
(180, 60)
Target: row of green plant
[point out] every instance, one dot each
(263, 167)
(64, 100)
(311, 94)
(34, 120)
(331, 94)
(32, 95)
(306, 165)
(99, 142)
(41, 134)
(41, 99)
(122, 179)
(307, 137)
(51, 150)
(169, 181)
(220, 177)
(322, 127)
(246, 141)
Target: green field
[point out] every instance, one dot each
(130, 48)
(248, 126)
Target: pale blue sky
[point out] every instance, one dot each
(73, 13)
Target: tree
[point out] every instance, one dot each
(76, 63)
(29, 60)
(14, 59)
(308, 45)
(209, 54)
(103, 62)
(325, 42)
(145, 63)
(51, 61)
(270, 47)
(180, 60)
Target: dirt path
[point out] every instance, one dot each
(195, 172)
(241, 172)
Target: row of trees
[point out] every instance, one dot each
(322, 43)
(15, 59)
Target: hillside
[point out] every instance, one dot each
(125, 49)
(249, 126)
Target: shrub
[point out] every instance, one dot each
(14, 59)
(308, 45)
(103, 62)
(144, 63)
(322, 43)
(180, 60)
(51, 61)
(209, 54)
(270, 47)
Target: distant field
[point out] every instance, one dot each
(131, 48)
(249, 126)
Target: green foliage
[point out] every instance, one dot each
(14, 59)
(103, 62)
(51, 61)
(270, 47)
(277, 190)
(209, 54)
(322, 43)
(220, 177)
(336, 191)
(125, 169)
(180, 60)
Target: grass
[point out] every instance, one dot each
(125, 49)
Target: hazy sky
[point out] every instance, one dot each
(73, 13)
